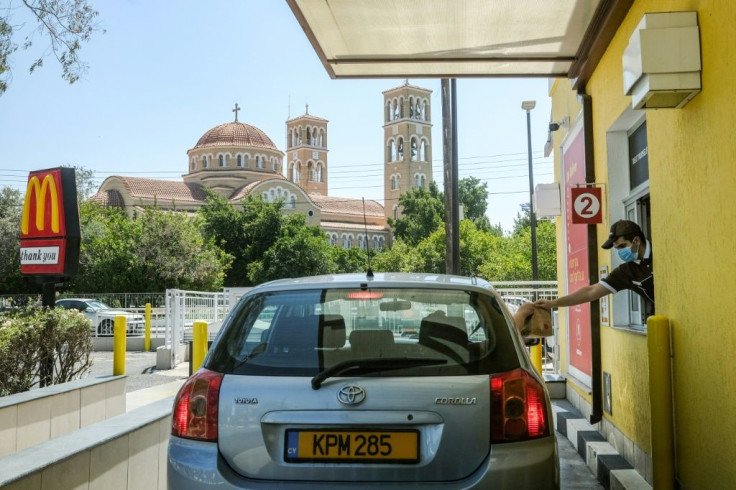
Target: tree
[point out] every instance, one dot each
(85, 180)
(65, 23)
(399, 258)
(244, 234)
(300, 250)
(423, 211)
(153, 251)
(11, 280)
(511, 257)
(474, 198)
(351, 259)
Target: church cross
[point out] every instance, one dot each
(236, 111)
(307, 110)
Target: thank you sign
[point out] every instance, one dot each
(49, 229)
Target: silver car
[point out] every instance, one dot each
(311, 384)
(103, 316)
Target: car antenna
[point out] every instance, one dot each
(369, 273)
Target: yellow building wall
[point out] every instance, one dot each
(692, 166)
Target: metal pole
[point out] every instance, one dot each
(447, 152)
(455, 187)
(532, 216)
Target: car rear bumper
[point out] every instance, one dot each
(518, 466)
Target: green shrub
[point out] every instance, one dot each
(32, 338)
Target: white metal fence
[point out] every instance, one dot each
(174, 312)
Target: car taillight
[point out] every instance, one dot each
(518, 407)
(196, 407)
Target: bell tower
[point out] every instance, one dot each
(407, 138)
(306, 152)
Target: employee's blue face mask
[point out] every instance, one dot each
(628, 255)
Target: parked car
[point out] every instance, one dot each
(103, 316)
(293, 395)
(514, 302)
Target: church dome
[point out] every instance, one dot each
(235, 134)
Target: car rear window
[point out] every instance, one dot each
(300, 333)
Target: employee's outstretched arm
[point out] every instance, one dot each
(582, 295)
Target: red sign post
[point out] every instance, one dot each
(49, 230)
(586, 205)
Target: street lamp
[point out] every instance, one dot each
(528, 105)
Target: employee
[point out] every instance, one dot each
(634, 274)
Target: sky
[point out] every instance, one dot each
(164, 73)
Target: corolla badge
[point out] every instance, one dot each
(351, 395)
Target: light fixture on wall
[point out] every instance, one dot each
(562, 123)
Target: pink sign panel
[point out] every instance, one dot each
(576, 241)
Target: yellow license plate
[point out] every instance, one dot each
(345, 446)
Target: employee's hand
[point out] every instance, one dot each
(544, 303)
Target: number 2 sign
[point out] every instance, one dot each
(586, 205)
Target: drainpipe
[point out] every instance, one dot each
(595, 316)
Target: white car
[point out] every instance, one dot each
(103, 316)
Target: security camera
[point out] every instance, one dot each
(554, 126)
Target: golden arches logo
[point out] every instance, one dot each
(40, 190)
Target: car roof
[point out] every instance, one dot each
(378, 280)
(78, 299)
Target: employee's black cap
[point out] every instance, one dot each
(620, 228)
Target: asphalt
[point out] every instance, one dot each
(145, 384)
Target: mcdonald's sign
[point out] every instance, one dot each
(49, 229)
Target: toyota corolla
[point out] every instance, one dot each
(311, 384)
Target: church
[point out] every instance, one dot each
(236, 159)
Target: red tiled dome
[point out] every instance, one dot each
(235, 134)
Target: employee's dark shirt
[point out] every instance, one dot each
(636, 276)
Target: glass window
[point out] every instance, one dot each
(297, 333)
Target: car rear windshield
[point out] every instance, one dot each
(301, 333)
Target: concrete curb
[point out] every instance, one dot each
(608, 466)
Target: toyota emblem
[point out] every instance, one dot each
(351, 395)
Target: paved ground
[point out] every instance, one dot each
(145, 384)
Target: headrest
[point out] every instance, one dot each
(438, 325)
(332, 331)
(371, 337)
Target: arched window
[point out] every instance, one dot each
(191, 164)
(414, 149)
(388, 111)
(205, 162)
(345, 241)
(221, 160)
(292, 201)
(361, 242)
(239, 160)
(401, 107)
(395, 111)
(396, 212)
(391, 151)
(319, 173)
(400, 149)
(333, 239)
(423, 180)
(309, 136)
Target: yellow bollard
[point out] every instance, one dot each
(536, 355)
(199, 344)
(147, 342)
(660, 396)
(118, 357)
